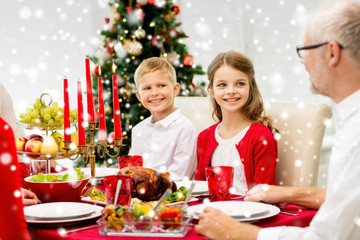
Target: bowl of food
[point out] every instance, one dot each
(58, 187)
(171, 219)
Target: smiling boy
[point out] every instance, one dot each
(166, 140)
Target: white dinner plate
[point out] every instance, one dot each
(200, 186)
(240, 210)
(65, 222)
(58, 210)
(89, 200)
(101, 172)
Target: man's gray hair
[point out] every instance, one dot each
(338, 21)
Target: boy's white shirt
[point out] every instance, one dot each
(168, 145)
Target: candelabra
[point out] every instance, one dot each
(87, 152)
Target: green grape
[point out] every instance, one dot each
(37, 105)
(22, 115)
(51, 121)
(38, 100)
(57, 118)
(42, 112)
(35, 121)
(34, 113)
(55, 105)
(74, 113)
(62, 121)
(71, 119)
(27, 118)
(47, 110)
(47, 117)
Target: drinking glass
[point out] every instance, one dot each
(124, 197)
(220, 180)
(130, 160)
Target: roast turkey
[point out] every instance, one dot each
(149, 184)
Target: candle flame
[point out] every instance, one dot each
(113, 67)
(99, 70)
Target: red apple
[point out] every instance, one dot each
(36, 136)
(33, 147)
(20, 143)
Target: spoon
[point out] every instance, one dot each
(188, 195)
(151, 213)
(163, 198)
(118, 185)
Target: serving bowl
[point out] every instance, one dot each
(69, 191)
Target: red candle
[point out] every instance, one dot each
(67, 132)
(102, 123)
(90, 100)
(80, 115)
(116, 108)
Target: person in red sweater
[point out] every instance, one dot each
(13, 198)
(243, 138)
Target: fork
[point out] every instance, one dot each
(289, 213)
(78, 229)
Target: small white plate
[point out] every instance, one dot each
(101, 172)
(66, 222)
(58, 210)
(89, 200)
(200, 186)
(240, 210)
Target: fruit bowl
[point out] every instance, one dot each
(48, 156)
(68, 191)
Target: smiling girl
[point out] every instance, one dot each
(243, 138)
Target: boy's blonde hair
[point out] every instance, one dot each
(154, 64)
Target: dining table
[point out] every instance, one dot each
(89, 230)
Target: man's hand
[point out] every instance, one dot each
(28, 197)
(282, 196)
(214, 224)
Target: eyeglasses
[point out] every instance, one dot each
(301, 49)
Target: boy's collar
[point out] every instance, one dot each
(169, 119)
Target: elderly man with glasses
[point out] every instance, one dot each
(331, 55)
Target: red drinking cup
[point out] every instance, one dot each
(220, 180)
(130, 160)
(124, 196)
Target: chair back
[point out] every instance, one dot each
(301, 125)
(197, 109)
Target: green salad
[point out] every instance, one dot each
(177, 196)
(41, 177)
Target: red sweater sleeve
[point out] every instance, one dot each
(259, 149)
(12, 220)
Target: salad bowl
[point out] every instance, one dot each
(58, 187)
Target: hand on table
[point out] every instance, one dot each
(282, 196)
(267, 193)
(215, 224)
(28, 197)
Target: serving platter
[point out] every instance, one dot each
(200, 186)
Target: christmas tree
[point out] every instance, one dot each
(138, 30)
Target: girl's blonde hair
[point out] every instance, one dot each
(254, 107)
(154, 64)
